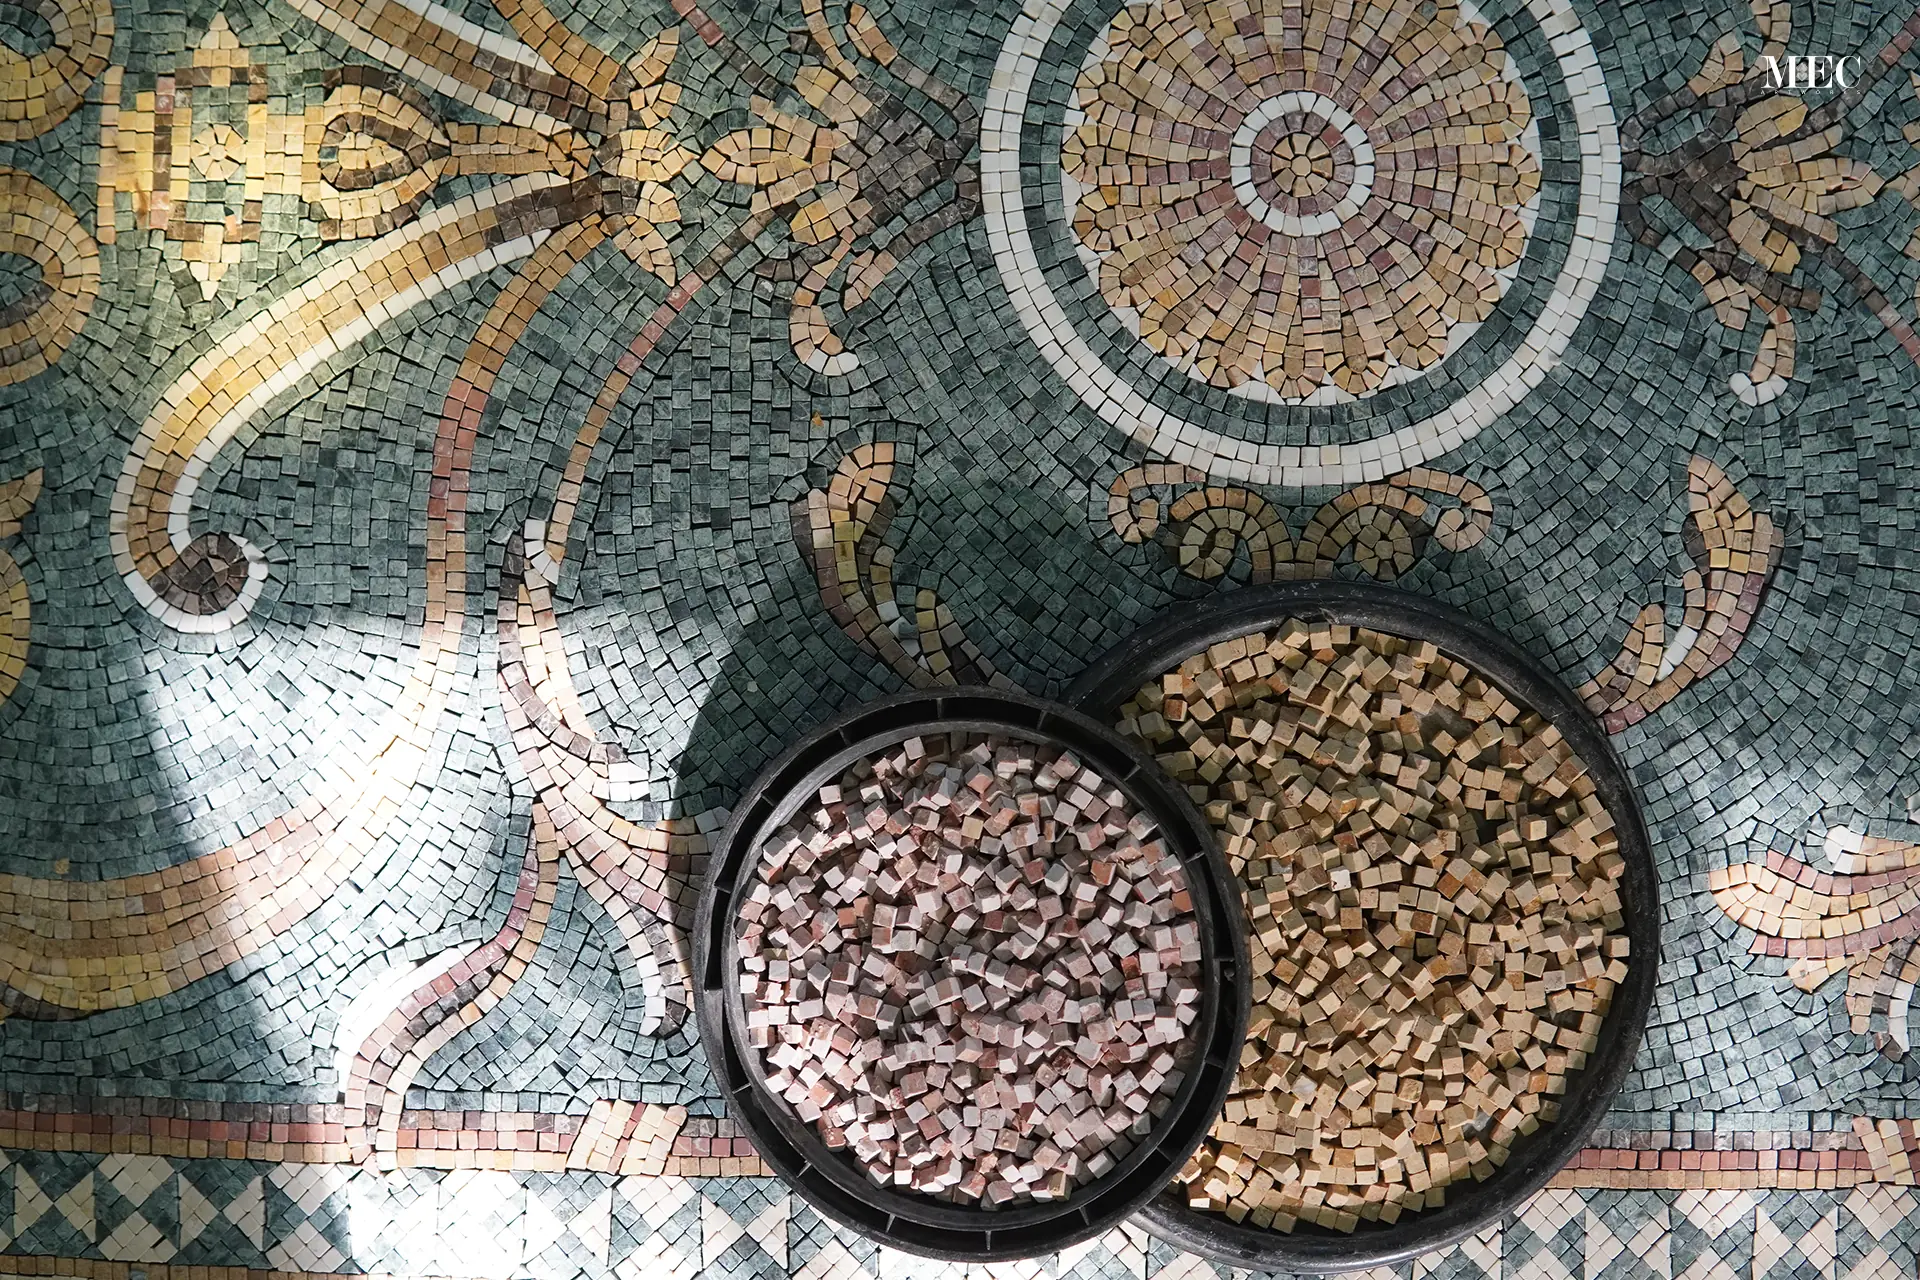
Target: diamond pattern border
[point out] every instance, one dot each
(146, 1212)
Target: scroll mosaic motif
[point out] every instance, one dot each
(1734, 548)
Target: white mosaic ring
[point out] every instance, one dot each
(1305, 102)
(1170, 436)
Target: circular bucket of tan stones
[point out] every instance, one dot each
(971, 972)
(1452, 915)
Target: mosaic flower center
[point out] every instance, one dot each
(1306, 157)
(1301, 164)
(218, 154)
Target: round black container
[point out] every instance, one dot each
(1471, 1206)
(830, 1180)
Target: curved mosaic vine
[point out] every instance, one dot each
(841, 184)
(1760, 176)
(16, 608)
(639, 875)
(388, 1060)
(841, 531)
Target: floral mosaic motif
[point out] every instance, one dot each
(845, 186)
(1297, 194)
(585, 159)
(375, 152)
(841, 531)
(196, 157)
(1863, 917)
(613, 192)
(1383, 527)
(1735, 548)
(1113, 374)
(1761, 175)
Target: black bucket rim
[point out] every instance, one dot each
(1190, 627)
(828, 1180)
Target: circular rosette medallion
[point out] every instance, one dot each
(1300, 241)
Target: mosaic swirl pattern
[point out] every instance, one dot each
(1767, 195)
(40, 89)
(37, 225)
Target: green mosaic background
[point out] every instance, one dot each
(697, 640)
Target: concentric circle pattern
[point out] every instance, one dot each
(1299, 206)
(1305, 222)
(1301, 164)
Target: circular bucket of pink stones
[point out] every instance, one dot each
(1470, 1206)
(971, 972)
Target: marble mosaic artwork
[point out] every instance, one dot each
(446, 449)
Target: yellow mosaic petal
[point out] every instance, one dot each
(642, 242)
(649, 65)
(827, 217)
(758, 156)
(1766, 122)
(651, 155)
(657, 204)
(652, 104)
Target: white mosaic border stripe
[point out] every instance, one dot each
(1224, 457)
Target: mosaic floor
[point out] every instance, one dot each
(446, 449)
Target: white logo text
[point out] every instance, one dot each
(1810, 71)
